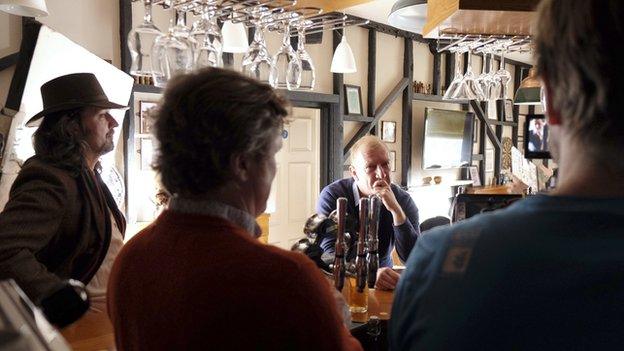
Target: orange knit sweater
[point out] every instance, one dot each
(194, 282)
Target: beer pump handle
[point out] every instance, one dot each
(373, 240)
(361, 265)
(339, 259)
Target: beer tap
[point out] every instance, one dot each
(372, 240)
(361, 266)
(339, 259)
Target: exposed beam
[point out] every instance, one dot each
(30, 34)
(384, 28)
(381, 110)
(331, 5)
(372, 72)
(125, 25)
(336, 157)
(406, 129)
(491, 135)
(8, 61)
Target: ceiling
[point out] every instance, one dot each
(378, 11)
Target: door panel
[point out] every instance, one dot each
(296, 184)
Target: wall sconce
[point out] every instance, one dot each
(234, 37)
(26, 8)
(409, 15)
(343, 60)
(529, 91)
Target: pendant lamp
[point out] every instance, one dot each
(234, 37)
(343, 61)
(529, 91)
(26, 8)
(409, 15)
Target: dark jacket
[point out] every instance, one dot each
(55, 226)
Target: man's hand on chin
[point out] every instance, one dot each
(387, 279)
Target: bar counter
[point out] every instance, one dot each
(95, 332)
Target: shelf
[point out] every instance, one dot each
(443, 184)
(438, 98)
(142, 88)
(358, 118)
(502, 123)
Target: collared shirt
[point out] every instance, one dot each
(218, 209)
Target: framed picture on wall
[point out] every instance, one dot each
(392, 156)
(353, 100)
(509, 110)
(145, 123)
(489, 160)
(474, 176)
(388, 131)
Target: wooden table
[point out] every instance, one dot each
(92, 332)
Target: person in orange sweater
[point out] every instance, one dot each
(198, 278)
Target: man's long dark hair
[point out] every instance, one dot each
(59, 140)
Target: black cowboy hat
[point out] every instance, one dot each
(72, 91)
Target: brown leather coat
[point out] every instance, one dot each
(55, 226)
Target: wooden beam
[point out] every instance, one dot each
(449, 69)
(381, 110)
(437, 74)
(406, 129)
(8, 61)
(384, 28)
(30, 35)
(358, 118)
(491, 135)
(372, 74)
(336, 158)
(125, 26)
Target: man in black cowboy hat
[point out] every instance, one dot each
(61, 222)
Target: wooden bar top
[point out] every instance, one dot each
(94, 331)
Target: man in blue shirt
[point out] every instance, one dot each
(547, 272)
(398, 221)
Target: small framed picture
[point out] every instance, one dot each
(388, 131)
(353, 100)
(474, 176)
(509, 110)
(489, 160)
(392, 156)
(145, 122)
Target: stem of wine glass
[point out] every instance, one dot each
(457, 64)
(301, 39)
(469, 61)
(147, 17)
(286, 37)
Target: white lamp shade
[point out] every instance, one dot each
(409, 15)
(26, 8)
(343, 61)
(234, 37)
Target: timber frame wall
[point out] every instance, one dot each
(334, 152)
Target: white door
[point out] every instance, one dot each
(296, 185)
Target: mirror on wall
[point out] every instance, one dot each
(448, 139)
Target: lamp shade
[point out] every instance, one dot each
(529, 91)
(26, 8)
(234, 37)
(343, 61)
(409, 15)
